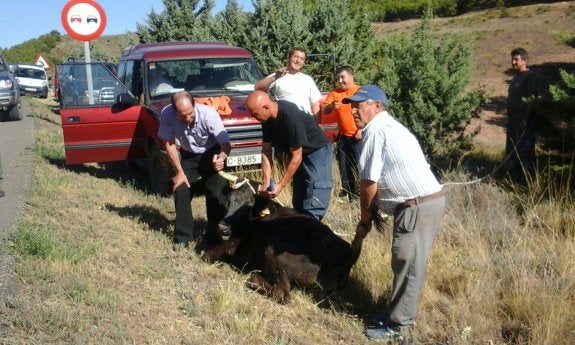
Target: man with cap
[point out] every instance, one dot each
(396, 179)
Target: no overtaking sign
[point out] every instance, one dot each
(84, 20)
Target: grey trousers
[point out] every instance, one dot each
(414, 230)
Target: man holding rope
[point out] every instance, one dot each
(396, 178)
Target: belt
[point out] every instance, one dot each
(421, 199)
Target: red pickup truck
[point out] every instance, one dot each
(115, 117)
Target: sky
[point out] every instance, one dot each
(23, 20)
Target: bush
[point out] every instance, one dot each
(426, 80)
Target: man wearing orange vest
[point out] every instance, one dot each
(348, 144)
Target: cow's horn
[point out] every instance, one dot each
(237, 185)
(228, 176)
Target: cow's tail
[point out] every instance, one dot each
(378, 220)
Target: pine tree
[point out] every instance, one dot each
(231, 25)
(426, 80)
(276, 27)
(181, 20)
(346, 34)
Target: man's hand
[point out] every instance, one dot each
(268, 192)
(362, 229)
(280, 72)
(178, 180)
(218, 162)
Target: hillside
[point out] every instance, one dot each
(496, 32)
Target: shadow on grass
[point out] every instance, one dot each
(353, 299)
(148, 215)
(125, 172)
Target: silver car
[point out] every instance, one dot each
(10, 106)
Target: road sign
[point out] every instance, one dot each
(84, 20)
(41, 62)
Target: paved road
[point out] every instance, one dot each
(16, 138)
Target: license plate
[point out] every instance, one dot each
(244, 160)
(29, 89)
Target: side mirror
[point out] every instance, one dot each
(126, 99)
(13, 68)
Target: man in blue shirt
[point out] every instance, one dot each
(197, 146)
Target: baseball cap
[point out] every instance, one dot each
(366, 92)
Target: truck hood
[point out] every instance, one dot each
(22, 81)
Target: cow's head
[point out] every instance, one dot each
(243, 204)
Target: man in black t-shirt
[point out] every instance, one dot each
(290, 129)
(521, 119)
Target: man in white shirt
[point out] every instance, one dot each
(290, 84)
(396, 178)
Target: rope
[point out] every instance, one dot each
(497, 167)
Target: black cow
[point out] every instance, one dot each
(286, 246)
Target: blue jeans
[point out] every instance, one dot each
(312, 183)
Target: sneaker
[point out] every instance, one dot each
(379, 319)
(388, 333)
(2, 193)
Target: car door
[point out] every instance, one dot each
(96, 127)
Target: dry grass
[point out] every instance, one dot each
(96, 266)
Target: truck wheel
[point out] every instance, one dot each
(16, 112)
(160, 172)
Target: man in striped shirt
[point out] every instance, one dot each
(396, 178)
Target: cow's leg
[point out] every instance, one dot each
(257, 282)
(222, 250)
(280, 287)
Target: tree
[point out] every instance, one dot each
(563, 105)
(345, 33)
(426, 81)
(276, 27)
(230, 25)
(180, 21)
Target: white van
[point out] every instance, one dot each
(32, 80)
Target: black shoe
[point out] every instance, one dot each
(379, 319)
(2, 193)
(387, 334)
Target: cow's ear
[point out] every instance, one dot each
(265, 212)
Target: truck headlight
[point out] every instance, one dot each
(6, 84)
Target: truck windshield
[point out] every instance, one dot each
(74, 85)
(31, 73)
(201, 76)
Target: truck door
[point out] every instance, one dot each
(96, 127)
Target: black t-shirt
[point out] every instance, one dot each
(293, 128)
(522, 85)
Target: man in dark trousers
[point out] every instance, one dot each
(288, 128)
(197, 146)
(521, 119)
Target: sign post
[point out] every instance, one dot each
(84, 20)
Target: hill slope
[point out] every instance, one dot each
(496, 33)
